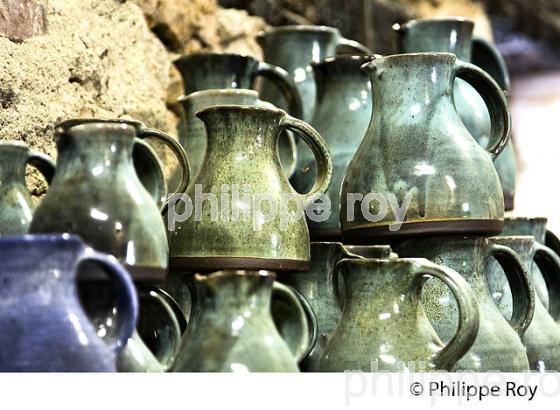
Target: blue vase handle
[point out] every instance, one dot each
(548, 262)
(485, 55)
(352, 47)
(127, 300)
(43, 163)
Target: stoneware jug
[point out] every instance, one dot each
(536, 227)
(16, 207)
(193, 135)
(96, 194)
(233, 330)
(294, 48)
(426, 173)
(383, 325)
(342, 113)
(542, 337)
(287, 306)
(44, 326)
(498, 345)
(454, 35)
(154, 343)
(210, 71)
(320, 287)
(242, 166)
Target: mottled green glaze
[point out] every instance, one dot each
(342, 114)
(154, 343)
(16, 206)
(192, 135)
(454, 35)
(320, 288)
(212, 71)
(96, 194)
(542, 337)
(535, 227)
(417, 148)
(242, 153)
(497, 346)
(233, 330)
(294, 48)
(383, 324)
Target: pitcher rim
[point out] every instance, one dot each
(14, 144)
(345, 58)
(449, 19)
(234, 273)
(64, 126)
(218, 92)
(427, 55)
(43, 238)
(192, 56)
(239, 108)
(526, 219)
(299, 28)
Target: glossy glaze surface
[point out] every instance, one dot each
(242, 153)
(44, 325)
(383, 324)
(233, 330)
(97, 195)
(313, 43)
(155, 341)
(498, 345)
(320, 288)
(454, 35)
(417, 149)
(212, 71)
(192, 133)
(16, 206)
(342, 114)
(542, 337)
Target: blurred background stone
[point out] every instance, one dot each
(21, 19)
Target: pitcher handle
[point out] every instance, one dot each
(174, 316)
(523, 293)
(354, 46)
(127, 300)
(548, 262)
(467, 329)
(281, 78)
(492, 61)
(552, 241)
(494, 97)
(43, 163)
(179, 152)
(324, 162)
(309, 329)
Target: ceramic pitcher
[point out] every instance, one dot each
(383, 324)
(16, 207)
(232, 330)
(241, 167)
(210, 71)
(342, 113)
(44, 325)
(193, 135)
(96, 194)
(320, 287)
(454, 35)
(498, 345)
(418, 170)
(535, 227)
(294, 48)
(154, 343)
(542, 337)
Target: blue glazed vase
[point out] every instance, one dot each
(44, 327)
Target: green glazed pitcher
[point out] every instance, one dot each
(294, 48)
(542, 337)
(418, 171)
(96, 193)
(232, 329)
(383, 325)
(343, 109)
(498, 345)
(228, 226)
(454, 35)
(16, 206)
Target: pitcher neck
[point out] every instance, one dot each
(13, 160)
(341, 78)
(446, 35)
(412, 84)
